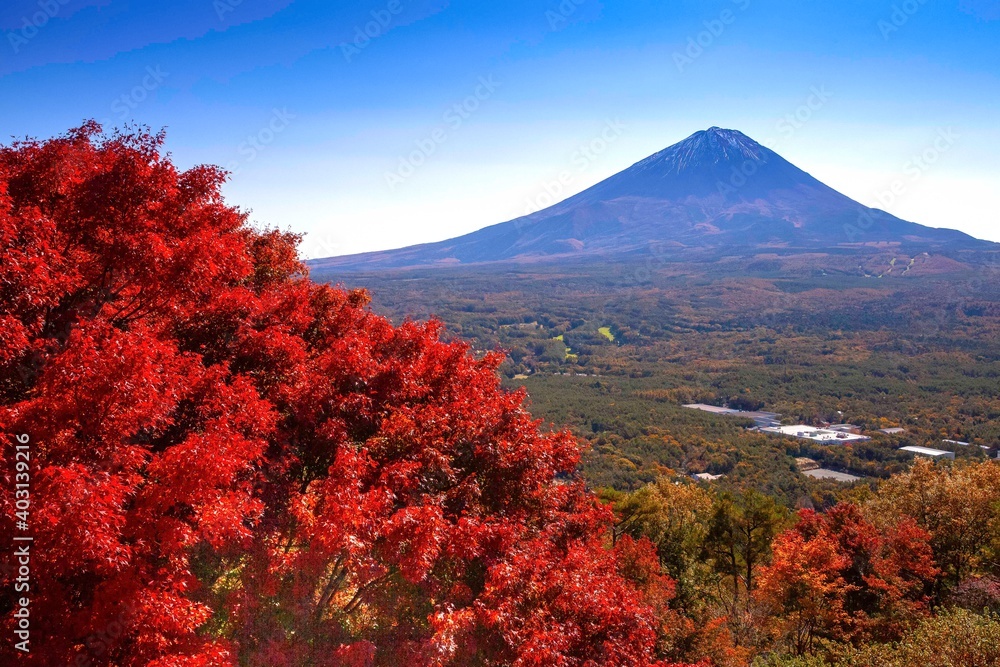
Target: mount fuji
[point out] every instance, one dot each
(716, 190)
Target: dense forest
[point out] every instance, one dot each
(853, 585)
(816, 339)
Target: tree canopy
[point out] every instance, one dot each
(234, 465)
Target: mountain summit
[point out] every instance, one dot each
(718, 188)
(704, 150)
(708, 163)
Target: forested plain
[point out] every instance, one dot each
(814, 338)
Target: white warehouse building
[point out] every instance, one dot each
(824, 435)
(927, 452)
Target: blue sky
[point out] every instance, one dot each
(377, 124)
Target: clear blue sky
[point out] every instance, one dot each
(357, 140)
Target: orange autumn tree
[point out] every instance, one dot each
(235, 466)
(836, 576)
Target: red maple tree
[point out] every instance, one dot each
(838, 576)
(234, 465)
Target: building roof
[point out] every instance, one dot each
(712, 408)
(823, 473)
(926, 451)
(813, 433)
(715, 409)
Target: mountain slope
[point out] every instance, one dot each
(717, 188)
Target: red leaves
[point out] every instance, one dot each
(837, 575)
(89, 520)
(104, 385)
(266, 472)
(414, 537)
(546, 605)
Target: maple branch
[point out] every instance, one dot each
(351, 606)
(337, 576)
